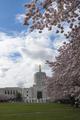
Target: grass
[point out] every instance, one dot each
(17, 111)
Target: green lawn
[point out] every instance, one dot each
(38, 112)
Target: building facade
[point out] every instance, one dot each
(36, 93)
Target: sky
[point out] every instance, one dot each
(8, 11)
(21, 52)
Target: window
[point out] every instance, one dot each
(8, 91)
(14, 92)
(27, 91)
(5, 92)
(11, 91)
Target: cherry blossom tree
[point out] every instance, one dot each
(66, 69)
(42, 14)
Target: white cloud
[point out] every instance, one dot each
(31, 50)
(20, 17)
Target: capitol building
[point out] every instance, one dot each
(35, 94)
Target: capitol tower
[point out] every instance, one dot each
(40, 89)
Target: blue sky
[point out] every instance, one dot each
(8, 11)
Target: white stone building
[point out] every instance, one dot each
(36, 93)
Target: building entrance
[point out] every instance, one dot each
(39, 95)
